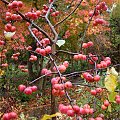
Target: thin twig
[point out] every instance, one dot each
(42, 77)
(49, 23)
(89, 21)
(79, 72)
(68, 14)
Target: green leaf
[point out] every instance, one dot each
(111, 96)
(109, 108)
(60, 42)
(118, 87)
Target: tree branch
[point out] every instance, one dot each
(89, 21)
(33, 24)
(49, 23)
(68, 14)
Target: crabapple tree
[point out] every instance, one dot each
(45, 42)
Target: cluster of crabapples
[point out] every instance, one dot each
(105, 63)
(96, 91)
(32, 58)
(46, 72)
(62, 68)
(15, 56)
(71, 111)
(88, 77)
(43, 51)
(14, 17)
(9, 116)
(79, 57)
(99, 8)
(105, 104)
(74, 110)
(4, 65)
(98, 21)
(45, 9)
(38, 34)
(88, 44)
(15, 5)
(22, 68)
(10, 28)
(58, 88)
(34, 15)
(92, 58)
(53, 13)
(27, 90)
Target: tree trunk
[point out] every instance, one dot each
(53, 102)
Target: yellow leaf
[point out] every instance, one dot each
(111, 80)
(47, 117)
(2, 72)
(82, 76)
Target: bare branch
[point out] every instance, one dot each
(68, 14)
(49, 23)
(42, 77)
(89, 21)
(58, 72)
(79, 72)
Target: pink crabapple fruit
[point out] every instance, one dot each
(70, 113)
(6, 116)
(96, 78)
(68, 85)
(103, 107)
(62, 68)
(99, 90)
(21, 88)
(28, 91)
(118, 100)
(106, 103)
(93, 92)
(34, 88)
(84, 45)
(76, 109)
(66, 63)
(98, 118)
(13, 115)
